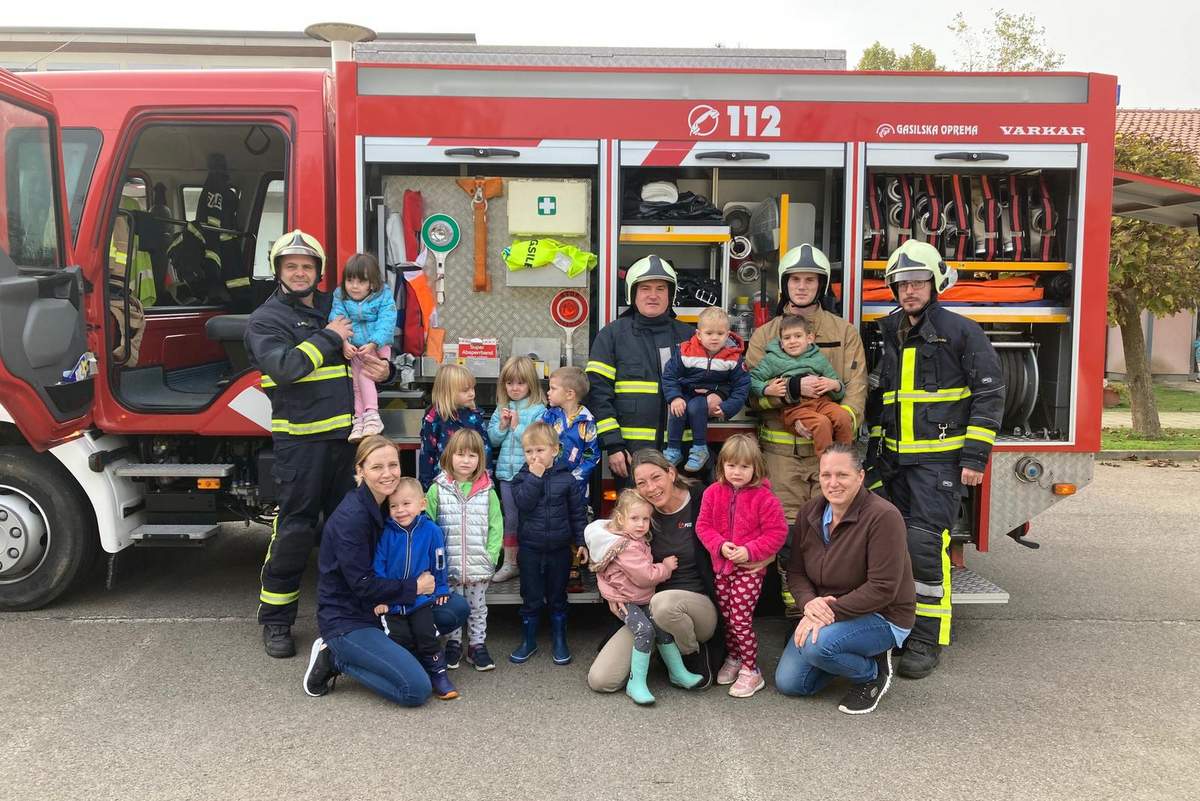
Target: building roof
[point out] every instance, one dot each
(1179, 125)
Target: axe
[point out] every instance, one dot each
(481, 190)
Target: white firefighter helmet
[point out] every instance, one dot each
(650, 268)
(297, 243)
(804, 258)
(919, 261)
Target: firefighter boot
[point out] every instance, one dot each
(635, 688)
(528, 646)
(278, 642)
(558, 639)
(918, 659)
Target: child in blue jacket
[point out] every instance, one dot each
(368, 305)
(519, 402)
(553, 515)
(411, 544)
(574, 423)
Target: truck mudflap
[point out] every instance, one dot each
(117, 501)
(1022, 484)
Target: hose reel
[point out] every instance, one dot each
(1019, 371)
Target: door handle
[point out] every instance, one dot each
(733, 155)
(971, 155)
(483, 152)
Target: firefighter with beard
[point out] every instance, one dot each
(291, 340)
(804, 277)
(933, 419)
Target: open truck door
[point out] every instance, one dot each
(42, 329)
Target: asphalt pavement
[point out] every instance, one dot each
(1080, 688)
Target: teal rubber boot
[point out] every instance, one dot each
(680, 675)
(635, 688)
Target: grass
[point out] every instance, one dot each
(1173, 439)
(1170, 399)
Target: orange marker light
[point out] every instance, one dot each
(610, 495)
(1064, 489)
(208, 483)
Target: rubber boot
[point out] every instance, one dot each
(680, 675)
(635, 688)
(558, 639)
(528, 647)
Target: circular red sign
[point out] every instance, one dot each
(569, 308)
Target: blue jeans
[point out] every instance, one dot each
(387, 669)
(695, 418)
(544, 581)
(846, 648)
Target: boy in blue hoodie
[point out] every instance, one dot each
(411, 544)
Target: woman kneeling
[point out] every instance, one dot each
(849, 570)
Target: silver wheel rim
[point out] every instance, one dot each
(24, 535)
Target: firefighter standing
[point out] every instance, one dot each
(625, 365)
(933, 419)
(804, 277)
(299, 352)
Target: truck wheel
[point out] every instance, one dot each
(47, 531)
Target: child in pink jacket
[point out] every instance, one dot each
(625, 569)
(741, 523)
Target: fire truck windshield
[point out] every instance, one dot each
(29, 227)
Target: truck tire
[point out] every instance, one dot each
(48, 535)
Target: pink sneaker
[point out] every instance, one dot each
(748, 683)
(356, 430)
(729, 670)
(372, 424)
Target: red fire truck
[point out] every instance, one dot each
(128, 411)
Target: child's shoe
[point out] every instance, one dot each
(528, 646)
(356, 429)
(697, 458)
(478, 656)
(748, 683)
(729, 671)
(558, 640)
(680, 675)
(439, 679)
(506, 572)
(371, 423)
(635, 688)
(453, 654)
(673, 455)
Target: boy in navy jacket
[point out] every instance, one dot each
(552, 515)
(411, 544)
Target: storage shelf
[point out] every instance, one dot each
(990, 266)
(675, 234)
(985, 314)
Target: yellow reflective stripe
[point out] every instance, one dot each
(853, 416)
(921, 396)
(981, 434)
(638, 387)
(875, 486)
(312, 352)
(279, 598)
(908, 377)
(601, 369)
(212, 254)
(640, 434)
(606, 425)
(941, 610)
(764, 403)
(876, 431)
(279, 426)
(320, 374)
(926, 445)
(233, 283)
(777, 437)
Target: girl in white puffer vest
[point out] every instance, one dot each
(463, 501)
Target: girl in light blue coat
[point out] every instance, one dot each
(520, 401)
(367, 303)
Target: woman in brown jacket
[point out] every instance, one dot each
(849, 571)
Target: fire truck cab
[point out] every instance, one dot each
(129, 414)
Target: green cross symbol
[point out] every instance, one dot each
(547, 205)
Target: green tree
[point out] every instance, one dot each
(1012, 43)
(1152, 267)
(879, 57)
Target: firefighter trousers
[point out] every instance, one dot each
(312, 478)
(794, 481)
(928, 496)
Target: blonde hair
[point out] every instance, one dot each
(539, 433)
(742, 449)
(464, 440)
(626, 502)
(574, 379)
(408, 483)
(713, 314)
(519, 368)
(450, 380)
(366, 447)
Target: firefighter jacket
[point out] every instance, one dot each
(840, 343)
(303, 371)
(940, 395)
(625, 367)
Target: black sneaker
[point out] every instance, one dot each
(453, 654)
(884, 676)
(278, 642)
(321, 674)
(918, 659)
(478, 656)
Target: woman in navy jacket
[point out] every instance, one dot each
(352, 641)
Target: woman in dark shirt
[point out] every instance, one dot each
(684, 605)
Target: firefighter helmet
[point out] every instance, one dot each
(803, 259)
(651, 268)
(919, 261)
(297, 243)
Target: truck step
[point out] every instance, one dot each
(175, 470)
(174, 534)
(968, 587)
(509, 592)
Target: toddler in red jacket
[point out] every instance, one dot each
(627, 575)
(741, 523)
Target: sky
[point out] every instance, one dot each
(1150, 44)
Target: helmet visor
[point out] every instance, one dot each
(910, 275)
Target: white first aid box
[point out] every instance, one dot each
(549, 207)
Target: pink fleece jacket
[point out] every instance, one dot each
(750, 516)
(625, 571)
